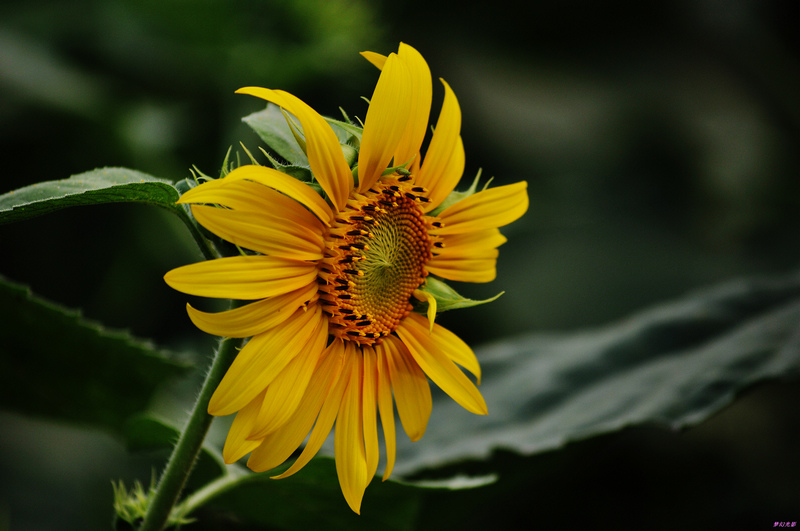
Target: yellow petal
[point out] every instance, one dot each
(375, 58)
(369, 400)
(284, 394)
(432, 304)
(260, 360)
(421, 93)
(242, 277)
(267, 235)
(279, 445)
(255, 317)
(386, 121)
(468, 257)
(322, 147)
(386, 408)
(411, 389)
(237, 445)
(297, 190)
(413, 331)
(478, 244)
(444, 161)
(250, 196)
(329, 410)
(490, 208)
(351, 461)
(460, 270)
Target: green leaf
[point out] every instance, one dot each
(312, 499)
(271, 126)
(673, 365)
(56, 364)
(446, 297)
(106, 185)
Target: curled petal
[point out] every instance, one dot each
(238, 193)
(254, 318)
(322, 147)
(271, 178)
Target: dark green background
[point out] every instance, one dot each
(659, 142)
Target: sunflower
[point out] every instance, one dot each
(335, 272)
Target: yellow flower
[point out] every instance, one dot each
(333, 334)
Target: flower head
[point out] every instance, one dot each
(334, 276)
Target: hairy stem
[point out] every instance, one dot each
(188, 447)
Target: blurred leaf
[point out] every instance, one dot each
(56, 364)
(106, 185)
(673, 365)
(271, 126)
(312, 499)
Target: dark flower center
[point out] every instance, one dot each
(376, 251)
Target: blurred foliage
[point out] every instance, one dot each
(659, 141)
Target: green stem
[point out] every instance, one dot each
(191, 440)
(208, 249)
(212, 490)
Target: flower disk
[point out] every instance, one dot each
(375, 258)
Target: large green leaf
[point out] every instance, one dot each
(673, 365)
(312, 499)
(56, 364)
(106, 185)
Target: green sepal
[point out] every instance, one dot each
(349, 128)
(301, 173)
(272, 127)
(446, 297)
(455, 196)
(297, 131)
(131, 506)
(350, 154)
